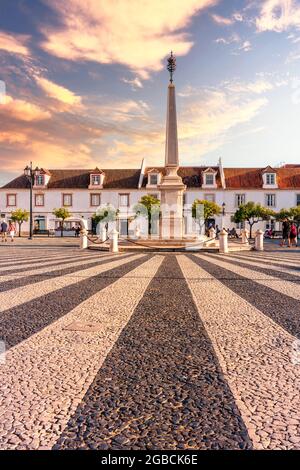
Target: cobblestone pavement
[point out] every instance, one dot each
(149, 351)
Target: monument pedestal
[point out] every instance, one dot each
(172, 190)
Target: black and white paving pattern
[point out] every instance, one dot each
(149, 351)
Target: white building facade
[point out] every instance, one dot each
(82, 192)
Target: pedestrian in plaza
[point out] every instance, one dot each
(293, 235)
(12, 230)
(77, 231)
(4, 231)
(285, 232)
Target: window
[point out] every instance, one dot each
(95, 200)
(210, 179)
(39, 180)
(39, 200)
(67, 200)
(298, 199)
(124, 200)
(209, 197)
(153, 180)
(240, 199)
(270, 200)
(11, 200)
(95, 180)
(270, 178)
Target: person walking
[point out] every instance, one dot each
(4, 231)
(285, 232)
(11, 231)
(293, 235)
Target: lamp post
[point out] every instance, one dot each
(30, 173)
(223, 213)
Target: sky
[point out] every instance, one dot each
(84, 84)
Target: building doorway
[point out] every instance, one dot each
(39, 223)
(123, 227)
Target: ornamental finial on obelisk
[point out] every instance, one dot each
(171, 66)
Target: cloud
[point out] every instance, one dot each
(58, 92)
(246, 46)
(211, 117)
(187, 91)
(22, 110)
(278, 15)
(233, 38)
(14, 44)
(221, 20)
(130, 32)
(258, 87)
(135, 82)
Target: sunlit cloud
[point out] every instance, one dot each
(58, 92)
(98, 30)
(22, 110)
(221, 20)
(257, 87)
(14, 44)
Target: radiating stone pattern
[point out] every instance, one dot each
(191, 351)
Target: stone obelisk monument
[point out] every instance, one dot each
(171, 187)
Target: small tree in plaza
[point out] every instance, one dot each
(62, 213)
(19, 216)
(148, 206)
(208, 209)
(291, 214)
(283, 214)
(295, 213)
(105, 214)
(252, 213)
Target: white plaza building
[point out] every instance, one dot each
(82, 191)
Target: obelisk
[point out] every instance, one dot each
(171, 187)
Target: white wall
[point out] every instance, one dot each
(81, 201)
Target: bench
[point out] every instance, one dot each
(41, 232)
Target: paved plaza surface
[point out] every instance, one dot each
(149, 351)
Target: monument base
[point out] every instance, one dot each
(172, 189)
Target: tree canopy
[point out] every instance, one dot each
(148, 207)
(252, 213)
(105, 214)
(292, 214)
(62, 213)
(202, 209)
(19, 216)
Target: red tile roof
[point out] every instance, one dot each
(288, 177)
(251, 178)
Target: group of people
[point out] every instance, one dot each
(289, 233)
(232, 233)
(7, 229)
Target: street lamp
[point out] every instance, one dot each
(30, 173)
(223, 208)
(223, 213)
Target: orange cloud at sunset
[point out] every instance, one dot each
(58, 92)
(130, 32)
(22, 110)
(15, 44)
